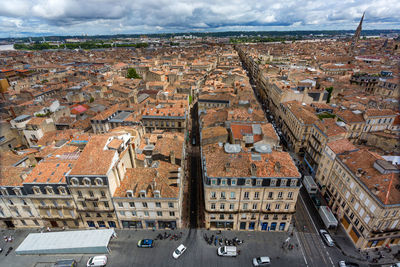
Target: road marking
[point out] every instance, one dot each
(316, 230)
(301, 248)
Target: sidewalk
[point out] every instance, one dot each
(348, 249)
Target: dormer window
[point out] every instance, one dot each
(248, 182)
(223, 182)
(129, 193)
(233, 182)
(86, 181)
(4, 191)
(62, 190)
(74, 181)
(273, 182)
(142, 193)
(49, 190)
(259, 182)
(99, 181)
(156, 193)
(36, 190)
(283, 182)
(293, 182)
(17, 191)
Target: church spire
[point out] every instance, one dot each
(356, 36)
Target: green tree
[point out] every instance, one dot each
(91, 99)
(329, 90)
(132, 74)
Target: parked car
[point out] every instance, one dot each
(145, 243)
(261, 261)
(97, 261)
(66, 263)
(179, 251)
(326, 237)
(347, 264)
(227, 251)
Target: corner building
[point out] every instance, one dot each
(248, 189)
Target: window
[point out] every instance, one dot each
(213, 195)
(361, 229)
(290, 195)
(270, 195)
(280, 195)
(254, 206)
(233, 182)
(95, 205)
(248, 181)
(86, 181)
(91, 194)
(287, 206)
(213, 206)
(245, 206)
(356, 222)
(133, 213)
(268, 207)
(170, 204)
(83, 204)
(106, 204)
(230, 217)
(122, 213)
(55, 203)
(256, 195)
(35, 222)
(231, 206)
(23, 222)
(79, 193)
(221, 216)
(233, 196)
(213, 182)
(74, 181)
(223, 182)
(222, 206)
(103, 194)
(99, 181)
(159, 213)
(277, 206)
(258, 183)
(144, 204)
(273, 182)
(132, 204)
(246, 195)
(172, 213)
(120, 204)
(61, 189)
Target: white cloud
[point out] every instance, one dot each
(139, 16)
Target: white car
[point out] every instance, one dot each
(342, 264)
(261, 261)
(97, 261)
(327, 238)
(179, 251)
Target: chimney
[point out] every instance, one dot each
(277, 167)
(253, 169)
(172, 157)
(227, 167)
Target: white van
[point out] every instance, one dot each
(227, 251)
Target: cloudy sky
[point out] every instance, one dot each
(71, 17)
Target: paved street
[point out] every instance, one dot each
(124, 251)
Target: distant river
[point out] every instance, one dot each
(6, 47)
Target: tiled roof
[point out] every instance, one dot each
(162, 178)
(383, 186)
(94, 160)
(240, 163)
(341, 145)
(379, 112)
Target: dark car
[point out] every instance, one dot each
(145, 243)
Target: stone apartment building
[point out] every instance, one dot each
(47, 188)
(150, 196)
(244, 190)
(296, 124)
(361, 187)
(98, 173)
(322, 132)
(378, 120)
